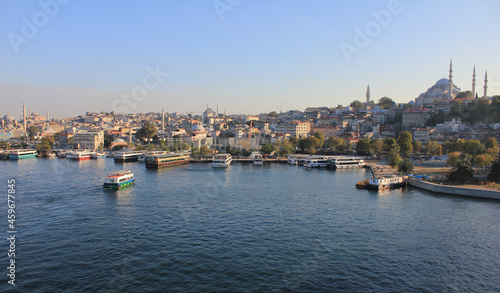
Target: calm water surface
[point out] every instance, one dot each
(272, 228)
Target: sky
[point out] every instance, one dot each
(250, 57)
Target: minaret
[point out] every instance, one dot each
(485, 85)
(47, 115)
(474, 82)
(451, 82)
(24, 119)
(162, 120)
(368, 94)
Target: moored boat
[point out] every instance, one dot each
(119, 179)
(383, 182)
(347, 162)
(257, 160)
(98, 155)
(127, 156)
(22, 154)
(166, 160)
(80, 156)
(221, 161)
(142, 157)
(316, 162)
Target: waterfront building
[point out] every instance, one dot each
(89, 139)
(294, 128)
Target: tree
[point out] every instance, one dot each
(406, 166)
(363, 147)
(404, 142)
(311, 144)
(436, 118)
(148, 130)
(46, 143)
(491, 146)
(267, 148)
(434, 149)
(356, 105)
(494, 174)
(417, 146)
(389, 142)
(453, 158)
(377, 145)
(31, 131)
(336, 144)
(204, 150)
(321, 136)
(483, 160)
(462, 171)
(273, 114)
(294, 141)
(195, 152)
(386, 103)
(394, 158)
(473, 147)
(465, 94)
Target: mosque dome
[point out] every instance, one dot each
(49, 129)
(118, 140)
(9, 117)
(443, 81)
(197, 127)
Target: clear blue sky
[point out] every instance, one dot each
(261, 56)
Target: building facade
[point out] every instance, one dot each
(89, 139)
(294, 128)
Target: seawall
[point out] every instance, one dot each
(455, 190)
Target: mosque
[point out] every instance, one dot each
(445, 90)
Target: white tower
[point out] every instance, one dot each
(368, 94)
(162, 120)
(474, 82)
(451, 82)
(47, 115)
(24, 119)
(485, 84)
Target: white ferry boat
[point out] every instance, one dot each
(316, 162)
(221, 161)
(99, 155)
(257, 160)
(347, 162)
(119, 179)
(22, 154)
(383, 182)
(127, 156)
(80, 156)
(142, 157)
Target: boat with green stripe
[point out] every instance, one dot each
(119, 179)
